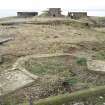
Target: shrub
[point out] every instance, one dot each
(81, 61)
(71, 81)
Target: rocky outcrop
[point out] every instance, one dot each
(96, 66)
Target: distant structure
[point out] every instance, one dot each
(54, 12)
(27, 14)
(77, 15)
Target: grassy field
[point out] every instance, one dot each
(58, 75)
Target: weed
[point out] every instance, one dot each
(71, 81)
(53, 66)
(100, 55)
(81, 61)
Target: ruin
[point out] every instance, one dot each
(77, 15)
(54, 12)
(27, 14)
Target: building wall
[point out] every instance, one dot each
(27, 14)
(77, 15)
(54, 12)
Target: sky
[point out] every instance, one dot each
(94, 7)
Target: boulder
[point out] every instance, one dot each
(96, 65)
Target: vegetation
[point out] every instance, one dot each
(100, 55)
(44, 14)
(53, 35)
(81, 61)
(71, 81)
(76, 96)
(51, 65)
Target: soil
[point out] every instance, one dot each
(57, 75)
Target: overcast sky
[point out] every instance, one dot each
(32, 4)
(95, 7)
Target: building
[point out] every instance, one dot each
(54, 12)
(77, 15)
(27, 14)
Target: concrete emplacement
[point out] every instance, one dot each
(77, 15)
(54, 12)
(27, 14)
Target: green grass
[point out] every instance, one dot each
(100, 55)
(50, 65)
(71, 81)
(81, 61)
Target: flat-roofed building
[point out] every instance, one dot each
(54, 12)
(77, 15)
(27, 14)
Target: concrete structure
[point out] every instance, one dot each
(54, 12)
(77, 15)
(15, 78)
(96, 66)
(27, 14)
